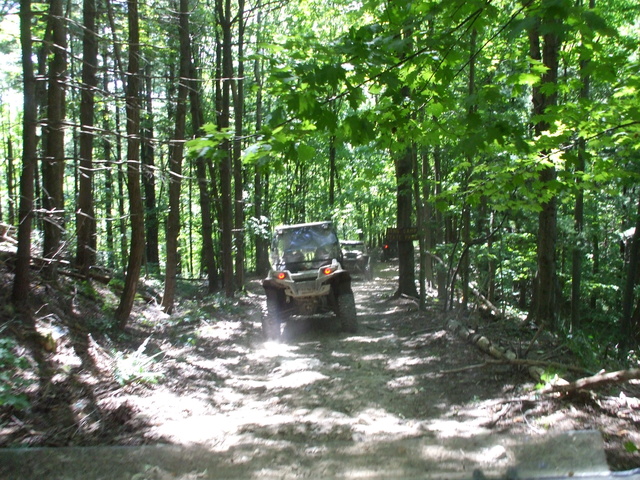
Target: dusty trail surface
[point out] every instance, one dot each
(319, 397)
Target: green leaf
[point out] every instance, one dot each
(435, 109)
(529, 79)
(305, 152)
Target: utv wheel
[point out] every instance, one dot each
(271, 328)
(347, 312)
(368, 272)
(271, 321)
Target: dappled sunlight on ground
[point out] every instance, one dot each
(396, 399)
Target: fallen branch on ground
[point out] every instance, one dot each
(595, 381)
(521, 363)
(535, 368)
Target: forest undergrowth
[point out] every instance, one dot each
(204, 375)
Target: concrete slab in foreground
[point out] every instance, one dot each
(577, 454)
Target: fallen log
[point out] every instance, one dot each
(535, 368)
(595, 381)
(520, 362)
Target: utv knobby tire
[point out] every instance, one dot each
(271, 320)
(368, 272)
(347, 312)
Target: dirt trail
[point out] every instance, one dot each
(321, 386)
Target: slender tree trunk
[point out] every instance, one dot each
(225, 162)
(21, 283)
(133, 169)
(578, 212)
(429, 219)
(147, 152)
(261, 206)
(108, 176)
(332, 171)
(53, 163)
(197, 120)
(419, 180)
(466, 209)
(175, 162)
(439, 229)
(238, 171)
(85, 216)
(11, 212)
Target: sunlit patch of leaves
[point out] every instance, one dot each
(548, 378)
(136, 366)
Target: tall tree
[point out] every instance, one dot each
(404, 163)
(147, 153)
(260, 169)
(85, 215)
(578, 211)
(238, 170)
(225, 21)
(545, 42)
(175, 160)
(21, 284)
(136, 207)
(53, 162)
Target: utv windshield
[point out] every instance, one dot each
(304, 247)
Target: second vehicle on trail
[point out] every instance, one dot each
(307, 277)
(356, 258)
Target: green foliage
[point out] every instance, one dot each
(136, 366)
(12, 376)
(549, 377)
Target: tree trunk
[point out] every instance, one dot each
(419, 180)
(21, 283)
(175, 162)
(260, 179)
(53, 163)
(121, 180)
(108, 176)
(466, 209)
(85, 216)
(332, 171)
(404, 173)
(439, 229)
(11, 218)
(197, 120)
(544, 308)
(630, 329)
(406, 260)
(224, 19)
(152, 223)
(133, 169)
(578, 212)
(238, 170)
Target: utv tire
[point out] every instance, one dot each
(368, 272)
(347, 312)
(271, 320)
(271, 328)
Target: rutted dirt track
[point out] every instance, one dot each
(319, 386)
(273, 409)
